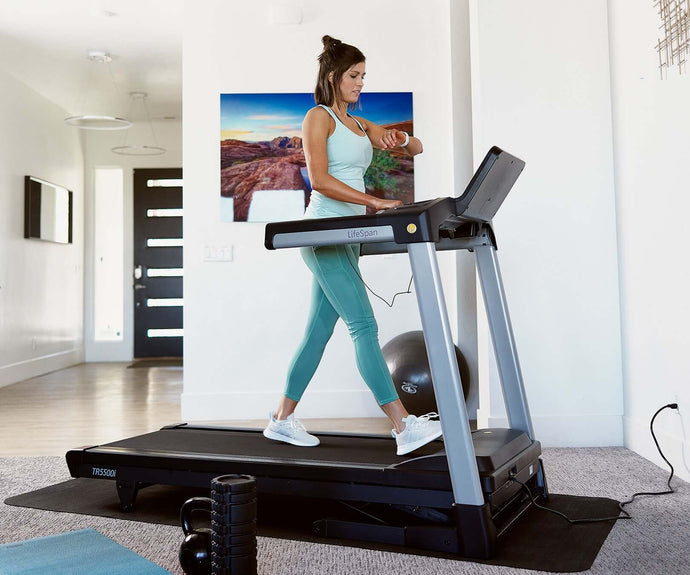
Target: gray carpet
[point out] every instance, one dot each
(656, 540)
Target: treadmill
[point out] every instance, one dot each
(454, 495)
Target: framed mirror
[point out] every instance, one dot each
(47, 211)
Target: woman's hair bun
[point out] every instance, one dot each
(329, 42)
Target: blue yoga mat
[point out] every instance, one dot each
(75, 553)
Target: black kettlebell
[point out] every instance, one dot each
(195, 551)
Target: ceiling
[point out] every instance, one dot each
(45, 44)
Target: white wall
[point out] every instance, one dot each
(540, 82)
(243, 319)
(41, 283)
(99, 155)
(651, 127)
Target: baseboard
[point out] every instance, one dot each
(675, 447)
(107, 352)
(256, 405)
(36, 366)
(568, 430)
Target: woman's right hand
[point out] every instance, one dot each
(384, 204)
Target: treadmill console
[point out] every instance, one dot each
(425, 221)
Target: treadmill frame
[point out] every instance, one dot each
(420, 230)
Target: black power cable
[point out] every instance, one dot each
(621, 506)
(656, 442)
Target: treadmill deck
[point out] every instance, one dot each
(193, 455)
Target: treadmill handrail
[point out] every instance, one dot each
(405, 224)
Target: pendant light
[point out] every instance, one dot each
(142, 149)
(95, 121)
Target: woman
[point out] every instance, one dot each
(338, 150)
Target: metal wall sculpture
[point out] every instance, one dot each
(673, 47)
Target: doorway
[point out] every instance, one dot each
(158, 267)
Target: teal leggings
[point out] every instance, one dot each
(338, 291)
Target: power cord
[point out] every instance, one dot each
(656, 442)
(621, 506)
(392, 302)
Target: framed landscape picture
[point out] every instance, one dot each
(263, 173)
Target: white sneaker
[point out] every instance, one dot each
(418, 432)
(289, 430)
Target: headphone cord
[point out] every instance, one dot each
(392, 302)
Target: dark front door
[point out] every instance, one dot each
(158, 262)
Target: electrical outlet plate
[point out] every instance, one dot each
(222, 253)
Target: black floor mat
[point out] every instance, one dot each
(539, 541)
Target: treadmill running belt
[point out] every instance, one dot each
(368, 450)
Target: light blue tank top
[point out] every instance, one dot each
(349, 156)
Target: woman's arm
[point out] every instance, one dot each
(315, 131)
(383, 139)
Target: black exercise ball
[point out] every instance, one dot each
(408, 364)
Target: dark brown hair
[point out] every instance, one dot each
(337, 57)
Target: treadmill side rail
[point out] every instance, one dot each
(333, 237)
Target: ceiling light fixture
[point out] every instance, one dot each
(95, 121)
(139, 99)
